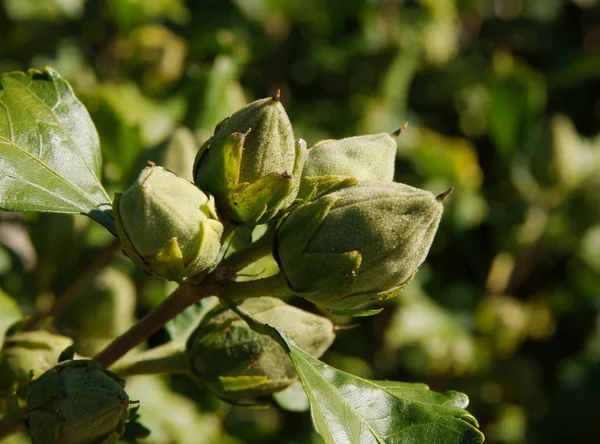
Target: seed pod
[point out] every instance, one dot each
(167, 226)
(236, 363)
(357, 244)
(369, 157)
(27, 355)
(251, 164)
(77, 402)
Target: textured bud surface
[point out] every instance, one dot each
(251, 164)
(167, 225)
(369, 157)
(237, 363)
(358, 244)
(77, 402)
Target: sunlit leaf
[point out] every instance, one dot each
(49, 150)
(349, 409)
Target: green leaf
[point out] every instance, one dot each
(49, 148)
(346, 408)
(357, 312)
(349, 409)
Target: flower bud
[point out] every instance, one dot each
(236, 363)
(357, 244)
(27, 355)
(167, 226)
(251, 164)
(77, 402)
(369, 157)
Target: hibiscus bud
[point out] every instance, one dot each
(168, 226)
(251, 164)
(357, 244)
(236, 363)
(77, 402)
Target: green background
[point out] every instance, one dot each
(502, 101)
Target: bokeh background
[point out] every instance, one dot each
(502, 98)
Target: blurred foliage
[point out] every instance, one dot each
(503, 103)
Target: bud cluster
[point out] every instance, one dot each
(341, 232)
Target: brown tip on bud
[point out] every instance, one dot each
(440, 197)
(277, 95)
(151, 163)
(400, 130)
(337, 328)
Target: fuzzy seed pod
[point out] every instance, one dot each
(167, 226)
(357, 244)
(252, 164)
(238, 364)
(77, 402)
(369, 157)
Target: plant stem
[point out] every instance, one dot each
(275, 286)
(218, 283)
(166, 358)
(250, 253)
(70, 294)
(174, 304)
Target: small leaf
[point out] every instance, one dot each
(357, 312)
(349, 409)
(49, 149)
(235, 383)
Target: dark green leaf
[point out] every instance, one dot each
(49, 149)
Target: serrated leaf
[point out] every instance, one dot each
(49, 148)
(349, 409)
(346, 408)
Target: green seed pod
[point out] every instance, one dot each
(167, 226)
(369, 157)
(236, 363)
(103, 312)
(77, 402)
(357, 244)
(251, 164)
(29, 354)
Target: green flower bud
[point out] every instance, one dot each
(251, 164)
(105, 310)
(168, 227)
(357, 244)
(236, 363)
(77, 402)
(369, 157)
(29, 354)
